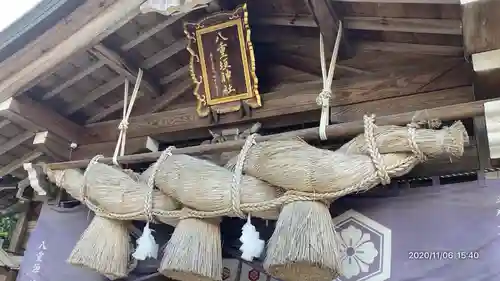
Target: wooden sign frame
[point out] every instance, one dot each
(220, 94)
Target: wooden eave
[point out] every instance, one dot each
(401, 56)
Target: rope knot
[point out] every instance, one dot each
(324, 96)
(371, 143)
(123, 125)
(412, 132)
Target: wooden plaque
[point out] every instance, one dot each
(222, 63)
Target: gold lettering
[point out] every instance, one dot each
(224, 66)
(214, 75)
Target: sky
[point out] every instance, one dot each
(10, 11)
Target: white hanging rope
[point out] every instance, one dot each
(324, 96)
(127, 110)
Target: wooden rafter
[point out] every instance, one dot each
(183, 71)
(100, 91)
(16, 141)
(79, 76)
(486, 61)
(133, 145)
(439, 26)
(435, 26)
(151, 32)
(93, 32)
(172, 94)
(4, 123)
(297, 62)
(52, 145)
(18, 163)
(116, 62)
(39, 184)
(146, 105)
(482, 41)
(165, 54)
(353, 97)
(328, 22)
(480, 25)
(115, 107)
(55, 35)
(438, 50)
(35, 117)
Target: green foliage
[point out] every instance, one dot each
(7, 225)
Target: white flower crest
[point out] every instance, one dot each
(357, 251)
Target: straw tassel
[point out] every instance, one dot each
(146, 245)
(252, 246)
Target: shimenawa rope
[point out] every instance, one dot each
(291, 195)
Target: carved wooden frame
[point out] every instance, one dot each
(198, 68)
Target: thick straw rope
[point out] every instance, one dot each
(324, 96)
(238, 172)
(148, 204)
(238, 208)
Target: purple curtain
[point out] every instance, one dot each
(50, 244)
(437, 233)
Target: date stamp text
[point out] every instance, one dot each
(443, 255)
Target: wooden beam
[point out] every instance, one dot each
(151, 32)
(176, 74)
(19, 231)
(328, 22)
(18, 163)
(492, 121)
(8, 187)
(79, 76)
(21, 188)
(480, 25)
(15, 141)
(170, 96)
(439, 26)
(52, 145)
(17, 238)
(483, 150)
(434, 26)
(117, 106)
(59, 32)
(342, 130)
(14, 208)
(437, 50)
(4, 123)
(133, 145)
(9, 260)
(165, 54)
(350, 95)
(116, 62)
(39, 183)
(93, 32)
(486, 61)
(297, 62)
(34, 116)
(98, 92)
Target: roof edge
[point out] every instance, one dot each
(34, 23)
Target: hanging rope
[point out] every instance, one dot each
(127, 110)
(324, 96)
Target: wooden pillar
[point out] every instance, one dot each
(480, 22)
